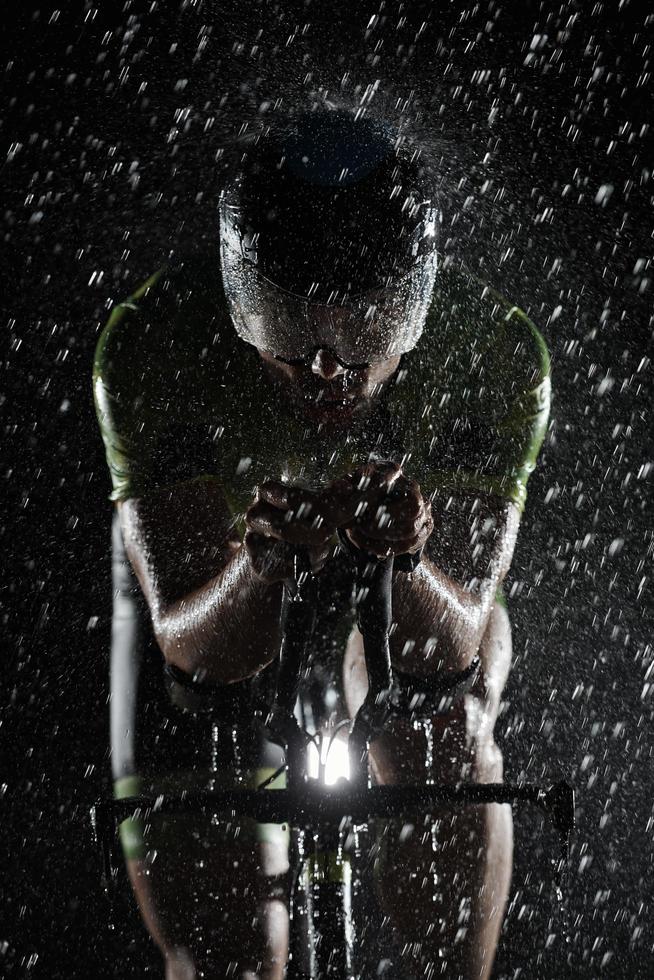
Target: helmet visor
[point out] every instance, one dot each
(376, 325)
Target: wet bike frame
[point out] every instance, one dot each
(325, 818)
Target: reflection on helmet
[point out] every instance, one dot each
(378, 324)
(328, 238)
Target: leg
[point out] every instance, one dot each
(444, 884)
(212, 895)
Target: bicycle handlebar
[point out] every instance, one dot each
(304, 803)
(317, 805)
(374, 584)
(374, 579)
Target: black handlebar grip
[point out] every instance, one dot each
(374, 615)
(297, 622)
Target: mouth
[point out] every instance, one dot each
(332, 407)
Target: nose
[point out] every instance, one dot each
(326, 365)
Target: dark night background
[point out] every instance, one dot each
(117, 122)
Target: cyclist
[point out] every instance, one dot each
(335, 373)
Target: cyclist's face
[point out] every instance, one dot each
(328, 390)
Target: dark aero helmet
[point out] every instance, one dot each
(328, 240)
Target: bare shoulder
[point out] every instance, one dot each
(474, 536)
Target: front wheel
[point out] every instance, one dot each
(329, 874)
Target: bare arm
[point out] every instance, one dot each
(442, 609)
(213, 616)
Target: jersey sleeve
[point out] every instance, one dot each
(518, 431)
(495, 437)
(166, 400)
(488, 408)
(135, 398)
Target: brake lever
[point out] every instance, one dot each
(297, 622)
(374, 586)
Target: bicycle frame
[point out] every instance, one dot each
(308, 805)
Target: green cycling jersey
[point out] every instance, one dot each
(180, 397)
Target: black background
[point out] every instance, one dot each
(119, 121)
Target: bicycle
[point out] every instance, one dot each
(327, 821)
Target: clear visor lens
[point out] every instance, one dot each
(379, 324)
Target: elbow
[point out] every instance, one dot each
(170, 644)
(206, 655)
(180, 645)
(450, 643)
(475, 613)
(187, 653)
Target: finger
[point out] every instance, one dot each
(385, 468)
(275, 524)
(305, 514)
(388, 535)
(319, 556)
(342, 486)
(272, 560)
(271, 549)
(374, 486)
(298, 535)
(404, 488)
(377, 476)
(383, 549)
(263, 518)
(337, 500)
(274, 492)
(259, 547)
(387, 524)
(259, 550)
(295, 502)
(411, 531)
(285, 495)
(410, 508)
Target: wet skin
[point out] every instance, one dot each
(326, 390)
(215, 606)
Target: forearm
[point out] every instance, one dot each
(225, 630)
(439, 624)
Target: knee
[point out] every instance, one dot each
(483, 753)
(179, 963)
(487, 762)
